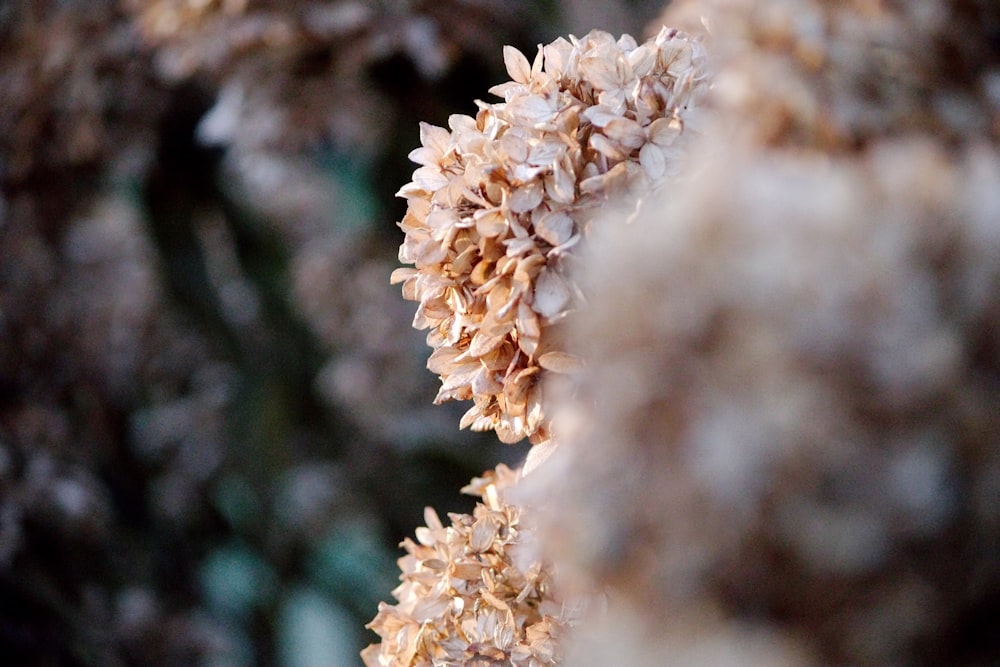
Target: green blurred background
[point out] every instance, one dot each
(215, 421)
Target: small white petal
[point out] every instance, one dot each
(643, 59)
(600, 116)
(536, 65)
(424, 155)
(664, 131)
(601, 72)
(551, 294)
(515, 146)
(402, 274)
(530, 109)
(490, 222)
(557, 56)
(560, 362)
(430, 179)
(462, 123)
(555, 227)
(546, 153)
(626, 133)
(527, 197)
(434, 137)
(653, 161)
(606, 147)
(508, 90)
(517, 65)
(561, 185)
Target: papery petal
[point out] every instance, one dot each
(643, 59)
(424, 155)
(490, 222)
(551, 295)
(664, 131)
(557, 55)
(530, 109)
(626, 133)
(527, 197)
(606, 147)
(555, 227)
(434, 137)
(516, 64)
(560, 362)
(430, 179)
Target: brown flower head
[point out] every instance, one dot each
(472, 593)
(501, 200)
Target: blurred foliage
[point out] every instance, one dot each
(215, 424)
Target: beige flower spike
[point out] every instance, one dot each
(500, 202)
(496, 210)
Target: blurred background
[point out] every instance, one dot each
(215, 420)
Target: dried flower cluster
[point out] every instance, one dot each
(502, 198)
(470, 594)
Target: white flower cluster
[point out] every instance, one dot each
(502, 198)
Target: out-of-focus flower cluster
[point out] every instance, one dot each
(802, 429)
(473, 593)
(786, 443)
(279, 65)
(74, 88)
(835, 76)
(502, 199)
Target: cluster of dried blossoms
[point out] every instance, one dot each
(501, 199)
(494, 211)
(470, 595)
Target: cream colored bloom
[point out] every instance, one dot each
(501, 200)
(469, 596)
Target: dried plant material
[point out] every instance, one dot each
(766, 429)
(471, 592)
(785, 448)
(72, 90)
(296, 72)
(834, 76)
(500, 200)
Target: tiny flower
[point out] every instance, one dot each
(501, 201)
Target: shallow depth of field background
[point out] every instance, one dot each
(215, 423)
